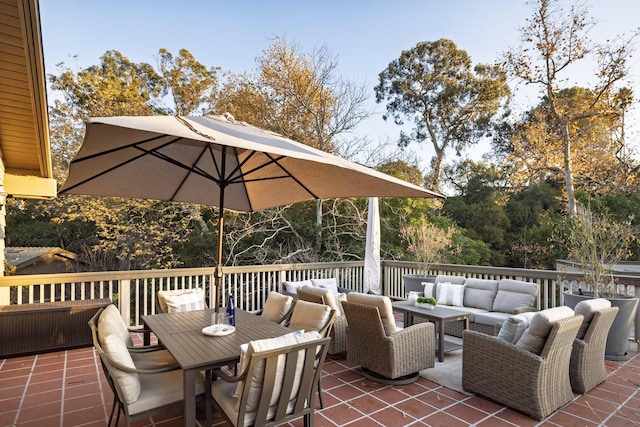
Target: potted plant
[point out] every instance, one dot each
(427, 302)
(427, 243)
(595, 244)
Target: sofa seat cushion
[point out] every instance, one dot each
(490, 318)
(535, 336)
(471, 311)
(587, 309)
(480, 293)
(513, 294)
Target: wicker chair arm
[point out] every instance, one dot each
(477, 343)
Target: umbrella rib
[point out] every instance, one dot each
(134, 145)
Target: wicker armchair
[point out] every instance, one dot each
(386, 354)
(587, 358)
(325, 296)
(534, 384)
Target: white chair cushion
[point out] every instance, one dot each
(292, 287)
(384, 308)
(110, 322)
(535, 336)
(116, 349)
(587, 309)
(449, 294)
(309, 316)
(276, 306)
(257, 376)
(187, 301)
(329, 297)
(162, 389)
(172, 301)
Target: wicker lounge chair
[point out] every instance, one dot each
(516, 377)
(587, 368)
(325, 296)
(387, 354)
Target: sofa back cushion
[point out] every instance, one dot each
(384, 308)
(330, 284)
(293, 286)
(480, 293)
(535, 336)
(445, 278)
(587, 309)
(513, 294)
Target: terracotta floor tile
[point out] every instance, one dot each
(436, 399)
(39, 411)
(494, 422)
(344, 413)
(84, 416)
(346, 392)
(416, 408)
(33, 400)
(466, 413)
(390, 395)
(617, 421)
(89, 401)
(55, 384)
(8, 418)
(330, 381)
(413, 389)
(364, 422)
(484, 405)
(11, 392)
(443, 419)
(392, 417)
(39, 422)
(566, 419)
(368, 404)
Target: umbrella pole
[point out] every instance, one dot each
(218, 273)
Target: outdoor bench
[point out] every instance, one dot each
(45, 327)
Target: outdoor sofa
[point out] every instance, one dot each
(48, 326)
(488, 302)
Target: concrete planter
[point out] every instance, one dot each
(618, 338)
(413, 282)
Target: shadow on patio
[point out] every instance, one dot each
(68, 388)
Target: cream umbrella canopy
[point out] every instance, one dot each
(216, 161)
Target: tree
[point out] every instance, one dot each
(552, 41)
(298, 96)
(450, 103)
(193, 87)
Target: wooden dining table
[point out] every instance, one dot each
(181, 333)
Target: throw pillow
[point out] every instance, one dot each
(513, 328)
(587, 309)
(330, 284)
(428, 289)
(292, 287)
(449, 294)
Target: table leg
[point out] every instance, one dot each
(189, 393)
(440, 340)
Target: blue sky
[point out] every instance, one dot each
(364, 35)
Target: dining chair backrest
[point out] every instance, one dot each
(278, 384)
(309, 316)
(277, 307)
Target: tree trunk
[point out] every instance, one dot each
(568, 170)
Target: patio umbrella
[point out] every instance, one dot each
(372, 249)
(216, 161)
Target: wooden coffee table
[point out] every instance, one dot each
(438, 315)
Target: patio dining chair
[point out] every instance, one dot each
(276, 384)
(140, 387)
(278, 307)
(309, 316)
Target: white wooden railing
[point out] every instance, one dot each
(134, 292)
